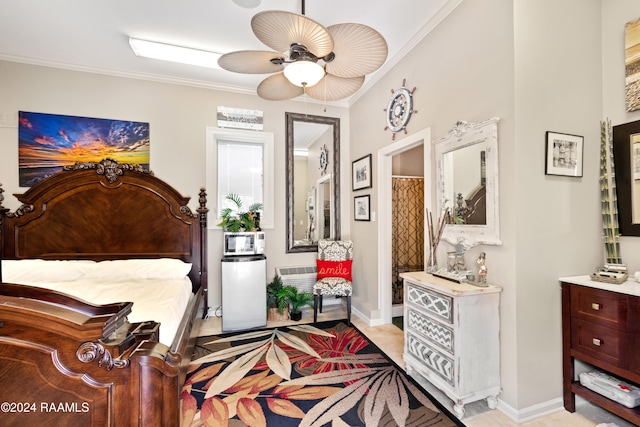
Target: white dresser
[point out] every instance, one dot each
(452, 337)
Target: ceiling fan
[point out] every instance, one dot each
(325, 63)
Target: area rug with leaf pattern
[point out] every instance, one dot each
(301, 375)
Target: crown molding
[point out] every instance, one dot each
(406, 49)
(158, 79)
(344, 103)
(127, 74)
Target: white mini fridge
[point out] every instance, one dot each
(244, 292)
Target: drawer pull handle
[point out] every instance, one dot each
(596, 342)
(595, 306)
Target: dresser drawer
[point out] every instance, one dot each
(435, 332)
(606, 344)
(430, 301)
(439, 363)
(604, 308)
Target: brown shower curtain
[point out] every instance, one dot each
(407, 231)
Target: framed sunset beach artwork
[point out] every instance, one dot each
(48, 142)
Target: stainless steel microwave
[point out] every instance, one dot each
(243, 243)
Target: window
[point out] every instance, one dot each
(240, 162)
(239, 172)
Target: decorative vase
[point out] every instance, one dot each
(610, 226)
(274, 314)
(432, 263)
(296, 316)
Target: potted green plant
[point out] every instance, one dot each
(235, 219)
(272, 291)
(278, 299)
(297, 301)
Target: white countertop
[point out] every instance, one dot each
(630, 287)
(452, 287)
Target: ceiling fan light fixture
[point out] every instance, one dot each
(325, 63)
(304, 73)
(249, 4)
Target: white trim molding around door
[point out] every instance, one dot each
(385, 155)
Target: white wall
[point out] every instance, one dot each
(178, 117)
(558, 75)
(536, 64)
(409, 163)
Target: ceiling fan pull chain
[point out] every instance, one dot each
(324, 87)
(304, 96)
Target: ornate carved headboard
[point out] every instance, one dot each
(103, 211)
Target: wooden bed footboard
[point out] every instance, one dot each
(57, 367)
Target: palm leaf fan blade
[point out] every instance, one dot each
(332, 88)
(279, 30)
(278, 88)
(359, 50)
(251, 62)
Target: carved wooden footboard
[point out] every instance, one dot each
(65, 362)
(58, 368)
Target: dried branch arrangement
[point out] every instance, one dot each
(435, 235)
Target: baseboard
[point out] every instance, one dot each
(368, 314)
(397, 310)
(532, 412)
(360, 314)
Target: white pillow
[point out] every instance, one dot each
(25, 271)
(126, 269)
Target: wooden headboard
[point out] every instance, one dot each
(104, 211)
(477, 204)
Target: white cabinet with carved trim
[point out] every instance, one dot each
(452, 337)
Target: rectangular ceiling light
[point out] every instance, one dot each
(168, 52)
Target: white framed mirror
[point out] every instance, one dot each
(467, 183)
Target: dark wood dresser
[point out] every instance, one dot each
(600, 327)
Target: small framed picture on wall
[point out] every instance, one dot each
(361, 170)
(564, 154)
(361, 208)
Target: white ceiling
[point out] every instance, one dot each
(93, 35)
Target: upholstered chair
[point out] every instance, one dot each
(334, 273)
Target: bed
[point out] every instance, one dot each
(75, 348)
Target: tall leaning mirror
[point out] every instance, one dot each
(313, 180)
(467, 183)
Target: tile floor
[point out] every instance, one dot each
(390, 339)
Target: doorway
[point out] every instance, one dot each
(385, 211)
(407, 223)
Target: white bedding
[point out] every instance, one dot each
(162, 298)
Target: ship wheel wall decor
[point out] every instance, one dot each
(400, 109)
